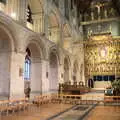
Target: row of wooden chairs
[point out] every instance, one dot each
(77, 99)
(65, 99)
(111, 99)
(42, 99)
(8, 106)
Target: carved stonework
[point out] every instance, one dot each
(102, 56)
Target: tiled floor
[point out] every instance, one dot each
(37, 113)
(104, 113)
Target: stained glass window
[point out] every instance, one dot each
(27, 68)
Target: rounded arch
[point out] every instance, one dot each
(55, 51)
(35, 51)
(6, 48)
(36, 55)
(39, 44)
(4, 28)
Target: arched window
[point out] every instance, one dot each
(27, 66)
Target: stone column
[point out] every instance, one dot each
(16, 75)
(58, 34)
(61, 73)
(61, 35)
(46, 23)
(105, 13)
(71, 75)
(23, 11)
(77, 75)
(46, 18)
(45, 76)
(62, 6)
(4, 71)
(92, 15)
(98, 7)
(36, 77)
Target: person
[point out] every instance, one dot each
(27, 92)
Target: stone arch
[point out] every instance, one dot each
(10, 34)
(39, 43)
(36, 67)
(7, 46)
(53, 49)
(66, 69)
(53, 70)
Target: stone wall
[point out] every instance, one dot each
(12, 62)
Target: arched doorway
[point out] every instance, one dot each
(66, 70)
(5, 60)
(33, 69)
(53, 72)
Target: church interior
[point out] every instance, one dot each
(59, 59)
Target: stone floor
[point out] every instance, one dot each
(104, 113)
(46, 111)
(37, 113)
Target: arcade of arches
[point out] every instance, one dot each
(46, 47)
